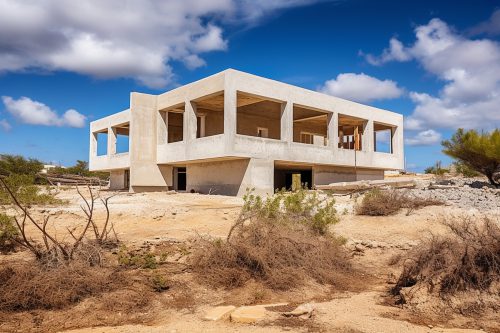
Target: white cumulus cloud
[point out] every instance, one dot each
(32, 112)
(114, 38)
(424, 138)
(470, 72)
(361, 87)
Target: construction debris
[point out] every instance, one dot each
(361, 185)
(68, 179)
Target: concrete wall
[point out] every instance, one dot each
(145, 173)
(117, 180)
(231, 177)
(325, 174)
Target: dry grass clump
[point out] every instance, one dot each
(278, 242)
(377, 202)
(32, 286)
(468, 259)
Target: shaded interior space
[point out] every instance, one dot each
(122, 132)
(209, 115)
(351, 131)
(383, 136)
(258, 116)
(180, 179)
(102, 142)
(292, 177)
(173, 119)
(126, 179)
(310, 126)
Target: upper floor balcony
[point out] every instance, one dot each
(234, 114)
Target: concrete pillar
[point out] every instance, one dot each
(145, 174)
(259, 175)
(190, 122)
(397, 141)
(202, 125)
(333, 132)
(162, 120)
(368, 137)
(111, 141)
(230, 100)
(287, 122)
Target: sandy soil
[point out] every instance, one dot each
(155, 217)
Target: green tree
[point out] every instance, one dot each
(479, 151)
(15, 164)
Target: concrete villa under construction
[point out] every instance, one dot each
(232, 131)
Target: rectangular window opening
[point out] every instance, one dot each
(209, 115)
(310, 126)
(383, 138)
(258, 116)
(350, 132)
(102, 143)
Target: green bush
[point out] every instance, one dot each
(25, 191)
(301, 206)
(81, 168)
(436, 169)
(465, 170)
(14, 164)
(8, 232)
(141, 260)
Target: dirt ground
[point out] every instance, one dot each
(154, 218)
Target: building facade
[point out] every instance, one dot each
(232, 131)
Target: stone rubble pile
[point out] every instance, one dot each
(461, 192)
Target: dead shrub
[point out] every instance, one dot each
(56, 252)
(377, 202)
(34, 286)
(276, 241)
(467, 259)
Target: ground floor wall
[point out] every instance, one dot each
(325, 174)
(234, 176)
(117, 180)
(231, 177)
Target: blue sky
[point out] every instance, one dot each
(64, 64)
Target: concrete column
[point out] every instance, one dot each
(287, 121)
(190, 122)
(230, 100)
(259, 175)
(145, 173)
(111, 141)
(202, 125)
(333, 132)
(162, 127)
(397, 141)
(368, 135)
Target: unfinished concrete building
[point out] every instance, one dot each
(232, 131)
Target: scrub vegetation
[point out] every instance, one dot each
(377, 202)
(281, 241)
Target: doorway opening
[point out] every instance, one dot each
(292, 178)
(126, 180)
(180, 179)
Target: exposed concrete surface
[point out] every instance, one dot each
(221, 117)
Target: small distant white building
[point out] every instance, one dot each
(232, 131)
(47, 167)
